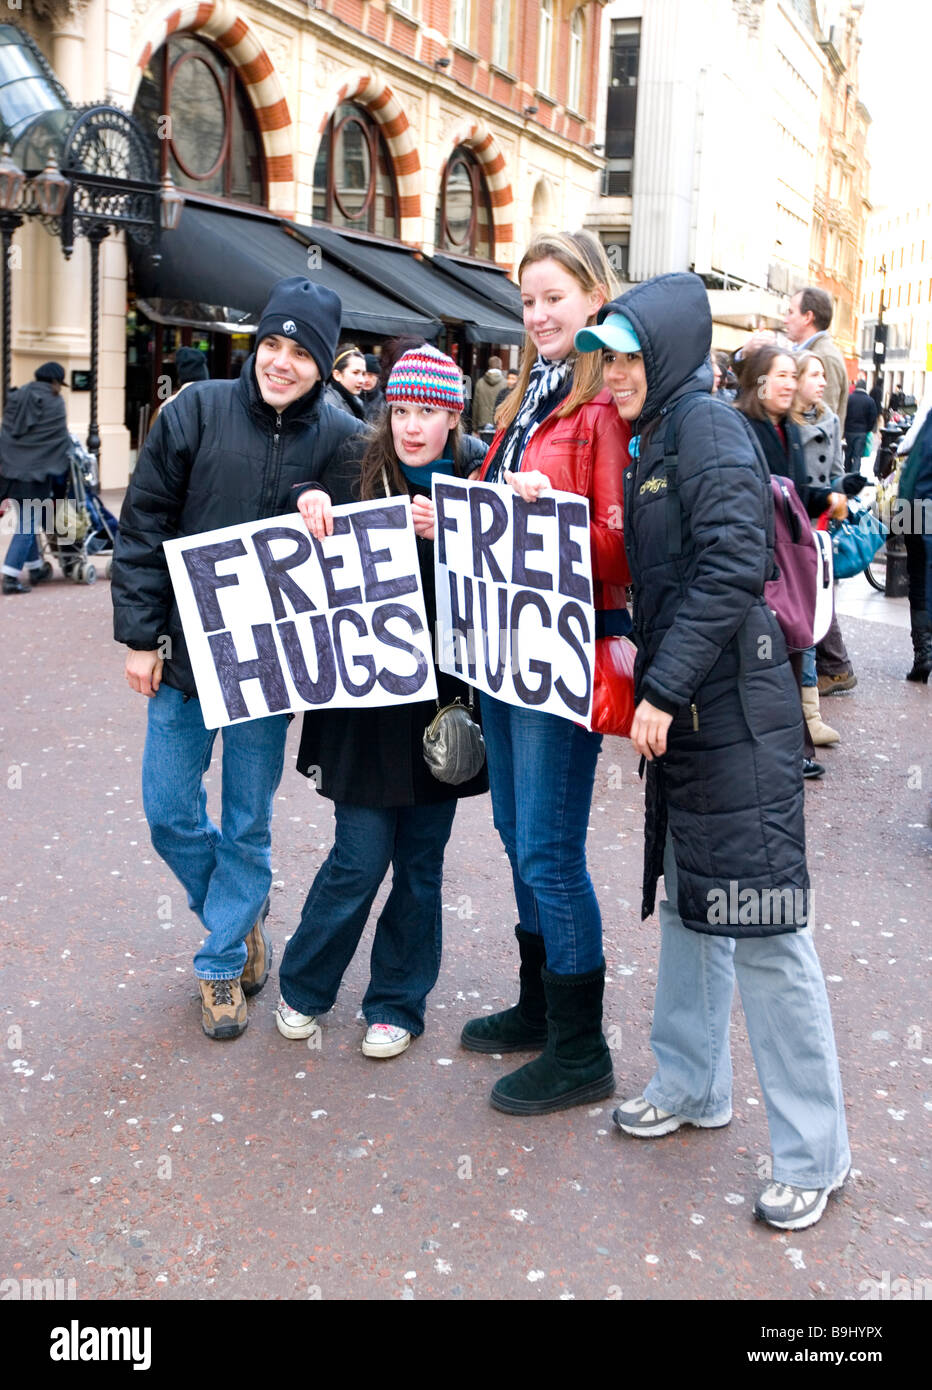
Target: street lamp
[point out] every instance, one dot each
(12, 180)
(170, 204)
(51, 189)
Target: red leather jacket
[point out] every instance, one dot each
(587, 453)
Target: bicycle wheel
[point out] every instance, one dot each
(876, 572)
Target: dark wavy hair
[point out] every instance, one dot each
(380, 462)
(751, 372)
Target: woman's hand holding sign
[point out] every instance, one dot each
(424, 517)
(528, 486)
(316, 512)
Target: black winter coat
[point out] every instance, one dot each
(34, 442)
(216, 456)
(710, 651)
(789, 462)
(374, 757)
(861, 416)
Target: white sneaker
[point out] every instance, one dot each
(291, 1024)
(384, 1040)
(646, 1121)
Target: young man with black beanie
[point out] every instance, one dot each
(220, 454)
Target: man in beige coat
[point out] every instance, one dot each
(806, 325)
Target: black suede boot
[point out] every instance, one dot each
(575, 1066)
(921, 629)
(522, 1028)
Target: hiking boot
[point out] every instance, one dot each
(385, 1040)
(833, 685)
(15, 586)
(794, 1208)
(575, 1065)
(646, 1121)
(258, 955)
(292, 1024)
(223, 1008)
(524, 1026)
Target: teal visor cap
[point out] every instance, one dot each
(613, 332)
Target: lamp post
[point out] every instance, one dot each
(12, 180)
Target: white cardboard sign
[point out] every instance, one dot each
(275, 620)
(515, 613)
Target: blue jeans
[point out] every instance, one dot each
(541, 775)
(23, 550)
(809, 667)
(789, 1026)
(405, 959)
(226, 873)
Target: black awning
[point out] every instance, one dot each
(227, 258)
(487, 280)
(419, 282)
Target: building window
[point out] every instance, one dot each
(617, 250)
(545, 45)
(201, 122)
(576, 61)
(464, 213)
(621, 111)
(501, 33)
(461, 22)
(354, 182)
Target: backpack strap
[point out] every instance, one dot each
(671, 468)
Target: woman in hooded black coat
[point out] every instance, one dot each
(718, 720)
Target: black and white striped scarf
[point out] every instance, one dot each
(548, 385)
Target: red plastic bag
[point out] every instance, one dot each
(613, 686)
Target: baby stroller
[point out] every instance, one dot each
(84, 529)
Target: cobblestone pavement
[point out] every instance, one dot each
(140, 1159)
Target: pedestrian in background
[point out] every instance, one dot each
(717, 720)
(206, 465)
(390, 811)
(806, 325)
(511, 381)
(344, 389)
(372, 395)
(35, 446)
(860, 421)
(485, 395)
(560, 430)
(190, 366)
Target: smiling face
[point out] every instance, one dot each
(555, 307)
(352, 374)
(810, 385)
(623, 373)
(419, 432)
(285, 371)
(777, 389)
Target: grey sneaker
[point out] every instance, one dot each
(794, 1208)
(646, 1121)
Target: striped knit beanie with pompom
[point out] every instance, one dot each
(427, 377)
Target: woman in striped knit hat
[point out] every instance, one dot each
(389, 809)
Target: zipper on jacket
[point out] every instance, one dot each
(278, 429)
(695, 719)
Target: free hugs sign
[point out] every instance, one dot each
(515, 612)
(277, 621)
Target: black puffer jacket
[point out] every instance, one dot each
(709, 649)
(216, 456)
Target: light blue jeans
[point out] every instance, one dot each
(789, 1026)
(809, 676)
(225, 872)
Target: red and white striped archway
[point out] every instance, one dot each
(220, 21)
(477, 136)
(371, 91)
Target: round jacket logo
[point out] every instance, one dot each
(289, 326)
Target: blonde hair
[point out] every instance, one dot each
(797, 409)
(582, 256)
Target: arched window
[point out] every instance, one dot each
(545, 46)
(574, 83)
(354, 183)
(201, 122)
(464, 213)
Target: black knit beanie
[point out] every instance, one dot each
(191, 365)
(308, 313)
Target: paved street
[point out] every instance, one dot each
(140, 1159)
